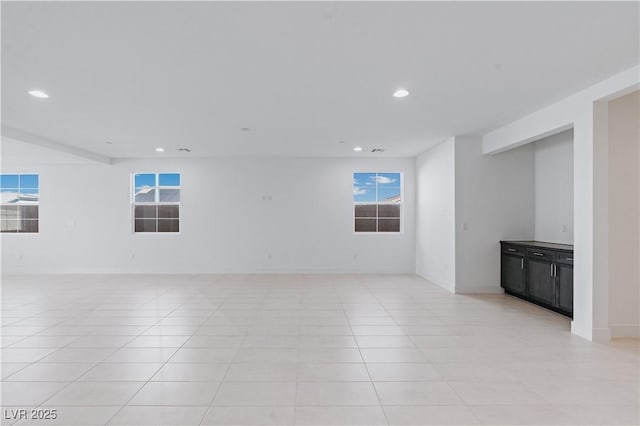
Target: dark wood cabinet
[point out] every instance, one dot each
(512, 271)
(539, 272)
(565, 287)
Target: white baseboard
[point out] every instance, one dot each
(624, 330)
(578, 330)
(487, 289)
(448, 287)
(601, 334)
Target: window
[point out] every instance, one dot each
(376, 202)
(156, 202)
(19, 209)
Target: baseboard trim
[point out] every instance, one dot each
(578, 330)
(487, 289)
(601, 334)
(624, 330)
(449, 288)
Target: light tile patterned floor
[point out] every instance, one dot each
(299, 349)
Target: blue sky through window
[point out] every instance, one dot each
(376, 187)
(17, 188)
(8, 182)
(28, 181)
(144, 180)
(169, 179)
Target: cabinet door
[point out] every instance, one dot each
(565, 287)
(512, 273)
(541, 282)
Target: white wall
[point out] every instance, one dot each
(435, 215)
(494, 201)
(554, 188)
(624, 216)
(226, 226)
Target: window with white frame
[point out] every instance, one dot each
(377, 202)
(19, 209)
(156, 202)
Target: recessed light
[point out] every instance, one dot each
(38, 94)
(109, 143)
(159, 149)
(357, 149)
(400, 93)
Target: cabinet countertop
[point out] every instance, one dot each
(541, 244)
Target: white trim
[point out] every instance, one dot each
(601, 334)
(624, 330)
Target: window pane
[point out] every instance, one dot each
(145, 225)
(144, 180)
(365, 225)
(169, 195)
(29, 181)
(388, 225)
(389, 210)
(8, 181)
(169, 179)
(145, 212)
(28, 196)
(8, 225)
(169, 212)
(28, 212)
(388, 179)
(168, 225)
(8, 212)
(29, 225)
(364, 187)
(146, 195)
(388, 194)
(365, 210)
(9, 196)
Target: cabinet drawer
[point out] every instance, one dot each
(562, 257)
(534, 253)
(513, 249)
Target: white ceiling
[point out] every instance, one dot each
(302, 76)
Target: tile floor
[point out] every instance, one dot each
(299, 349)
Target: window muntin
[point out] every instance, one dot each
(20, 203)
(377, 202)
(156, 202)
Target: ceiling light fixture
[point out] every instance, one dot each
(357, 149)
(38, 94)
(159, 149)
(400, 93)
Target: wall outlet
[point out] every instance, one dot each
(269, 256)
(564, 228)
(132, 256)
(355, 256)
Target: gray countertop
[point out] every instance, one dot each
(542, 244)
